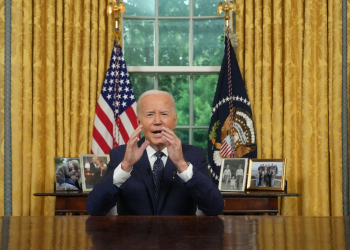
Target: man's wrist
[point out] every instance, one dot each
(182, 166)
(125, 167)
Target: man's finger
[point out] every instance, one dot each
(144, 145)
(132, 142)
(168, 130)
(136, 132)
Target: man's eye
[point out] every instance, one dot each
(149, 115)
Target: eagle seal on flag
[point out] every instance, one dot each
(231, 129)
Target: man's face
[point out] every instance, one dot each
(74, 178)
(155, 112)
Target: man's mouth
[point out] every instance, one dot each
(157, 132)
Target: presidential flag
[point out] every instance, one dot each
(115, 117)
(230, 135)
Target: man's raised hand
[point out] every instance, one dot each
(133, 153)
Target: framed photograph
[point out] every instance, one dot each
(93, 167)
(233, 174)
(266, 174)
(68, 174)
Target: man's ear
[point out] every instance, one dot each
(175, 120)
(138, 121)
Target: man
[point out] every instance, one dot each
(239, 177)
(227, 175)
(131, 180)
(64, 172)
(72, 183)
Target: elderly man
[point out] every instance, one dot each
(64, 172)
(157, 175)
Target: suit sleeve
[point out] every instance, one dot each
(103, 197)
(202, 188)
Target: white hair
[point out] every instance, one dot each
(155, 92)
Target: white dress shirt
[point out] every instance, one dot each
(120, 176)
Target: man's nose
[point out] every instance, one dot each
(157, 119)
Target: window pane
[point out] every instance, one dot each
(177, 85)
(200, 138)
(173, 42)
(141, 83)
(208, 42)
(174, 8)
(206, 8)
(183, 134)
(139, 7)
(204, 88)
(139, 42)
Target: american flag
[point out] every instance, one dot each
(226, 149)
(115, 117)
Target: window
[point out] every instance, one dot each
(176, 46)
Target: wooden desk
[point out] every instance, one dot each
(68, 201)
(175, 232)
(235, 203)
(256, 202)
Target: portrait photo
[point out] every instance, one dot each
(93, 167)
(266, 174)
(233, 174)
(68, 174)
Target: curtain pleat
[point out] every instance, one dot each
(293, 51)
(335, 105)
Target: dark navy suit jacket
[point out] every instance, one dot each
(136, 195)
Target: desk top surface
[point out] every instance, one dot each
(224, 194)
(174, 232)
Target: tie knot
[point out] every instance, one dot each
(159, 155)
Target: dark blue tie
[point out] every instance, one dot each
(158, 169)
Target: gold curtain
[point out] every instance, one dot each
(60, 52)
(290, 54)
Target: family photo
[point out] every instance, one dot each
(93, 167)
(68, 174)
(233, 174)
(266, 174)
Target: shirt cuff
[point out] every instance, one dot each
(120, 176)
(187, 174)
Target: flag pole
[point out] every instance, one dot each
(115, 9)
(224, 6)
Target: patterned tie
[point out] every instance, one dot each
(158, 169)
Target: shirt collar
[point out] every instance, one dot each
(151, 151)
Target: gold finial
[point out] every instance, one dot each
(224, 6)
(115, 8)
